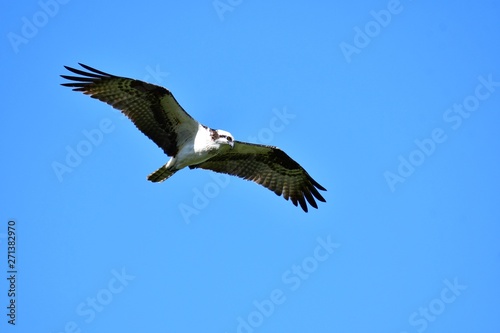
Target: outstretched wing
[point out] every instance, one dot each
(270, 167)
(151, 108)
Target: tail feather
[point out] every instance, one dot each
(161, 174)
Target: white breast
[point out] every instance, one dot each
(196, 150)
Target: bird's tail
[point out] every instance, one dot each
(161, 174)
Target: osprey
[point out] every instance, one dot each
(157, 114)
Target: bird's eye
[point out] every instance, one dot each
(230, 139)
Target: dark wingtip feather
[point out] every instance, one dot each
(89, 76)
(82, 82)
(94, 70)
(316, 184)
(316, 194)
(310, 199)
(303, 204)
(78, 78)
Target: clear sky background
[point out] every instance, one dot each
(394, 107)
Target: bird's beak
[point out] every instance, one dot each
(231, 144)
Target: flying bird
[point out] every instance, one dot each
(156, 113)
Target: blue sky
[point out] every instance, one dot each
(393, 106)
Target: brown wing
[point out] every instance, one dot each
(153, 109)
(270, 167)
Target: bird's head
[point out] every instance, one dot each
(224, 138)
